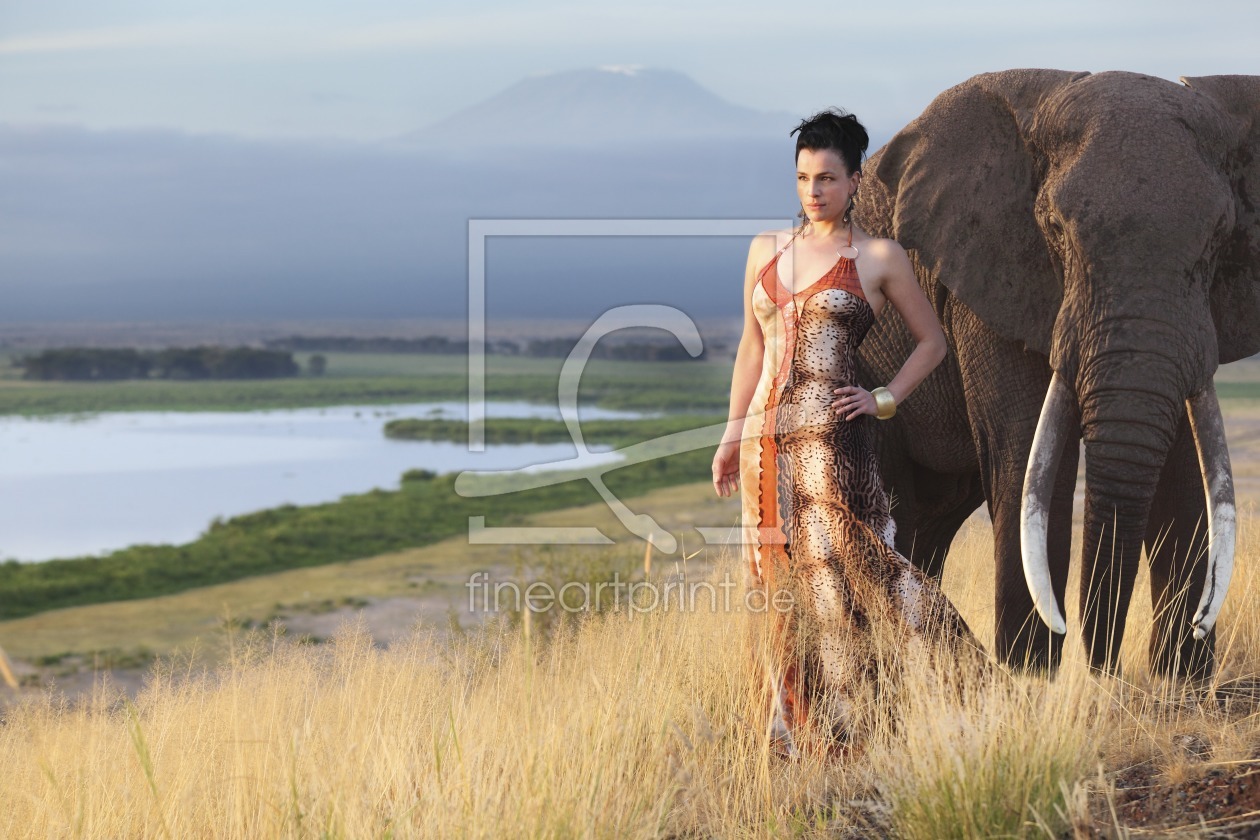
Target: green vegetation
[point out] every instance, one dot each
(642, 351)
(380, 378)
(220, 395)
(508, 430)
(97, 364)
(374, 379)
(426, 509)
(1240, 391)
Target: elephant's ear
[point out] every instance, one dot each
(965, 182)
(1236, 287)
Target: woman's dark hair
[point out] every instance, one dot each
(834, 129)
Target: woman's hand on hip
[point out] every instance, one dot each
(852, 402)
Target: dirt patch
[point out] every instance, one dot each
(1222, 802)
(387, 619)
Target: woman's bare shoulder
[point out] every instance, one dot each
(884, 249)
(765, 244)
(884, 257)
(770, 239)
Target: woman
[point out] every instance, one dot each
(798, 444)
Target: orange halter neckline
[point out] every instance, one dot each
(842, 275)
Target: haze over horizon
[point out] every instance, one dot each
(161, 224)
(383, 68)
(258, 162)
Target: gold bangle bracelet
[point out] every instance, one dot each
(885, 405)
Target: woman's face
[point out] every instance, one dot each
(824, 184)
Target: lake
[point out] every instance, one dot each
(73, 486)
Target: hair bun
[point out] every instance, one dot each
(836, 129)
(854, 130)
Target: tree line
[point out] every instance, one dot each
(637, 351)
(85, 364)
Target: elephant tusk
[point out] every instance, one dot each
(1034, 512)
(1218, 484)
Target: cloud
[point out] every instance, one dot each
(269, 38)
(112, 38)
(594, 23)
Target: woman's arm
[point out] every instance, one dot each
(751, 348)
(901, 288)
(748, 360)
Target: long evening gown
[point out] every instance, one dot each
(816, 515)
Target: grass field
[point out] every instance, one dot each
(432, 578)
(629, 724)
(377, 378)
(365, 523)
(635, 723)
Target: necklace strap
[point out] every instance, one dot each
(789, 242)
(848, 244)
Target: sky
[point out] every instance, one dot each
(214, 202)
(374, 69)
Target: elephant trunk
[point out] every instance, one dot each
(1122, 471)
(1128, 429)
(1125, 448)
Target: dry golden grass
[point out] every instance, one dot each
(434, 575)
(631, 724)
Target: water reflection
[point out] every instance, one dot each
(75, 485)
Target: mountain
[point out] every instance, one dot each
(155, 224)
(618, 105)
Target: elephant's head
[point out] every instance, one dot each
(1110, 222)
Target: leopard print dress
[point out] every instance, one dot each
(817, 517)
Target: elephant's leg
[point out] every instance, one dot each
(1005, 386)
(1021, 637)
(927, 456)
(928, 506)
(943, 502)
(1176, 547)
(900, 482)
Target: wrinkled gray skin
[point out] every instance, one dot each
(1103, 226)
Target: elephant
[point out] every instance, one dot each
(1091, 245)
